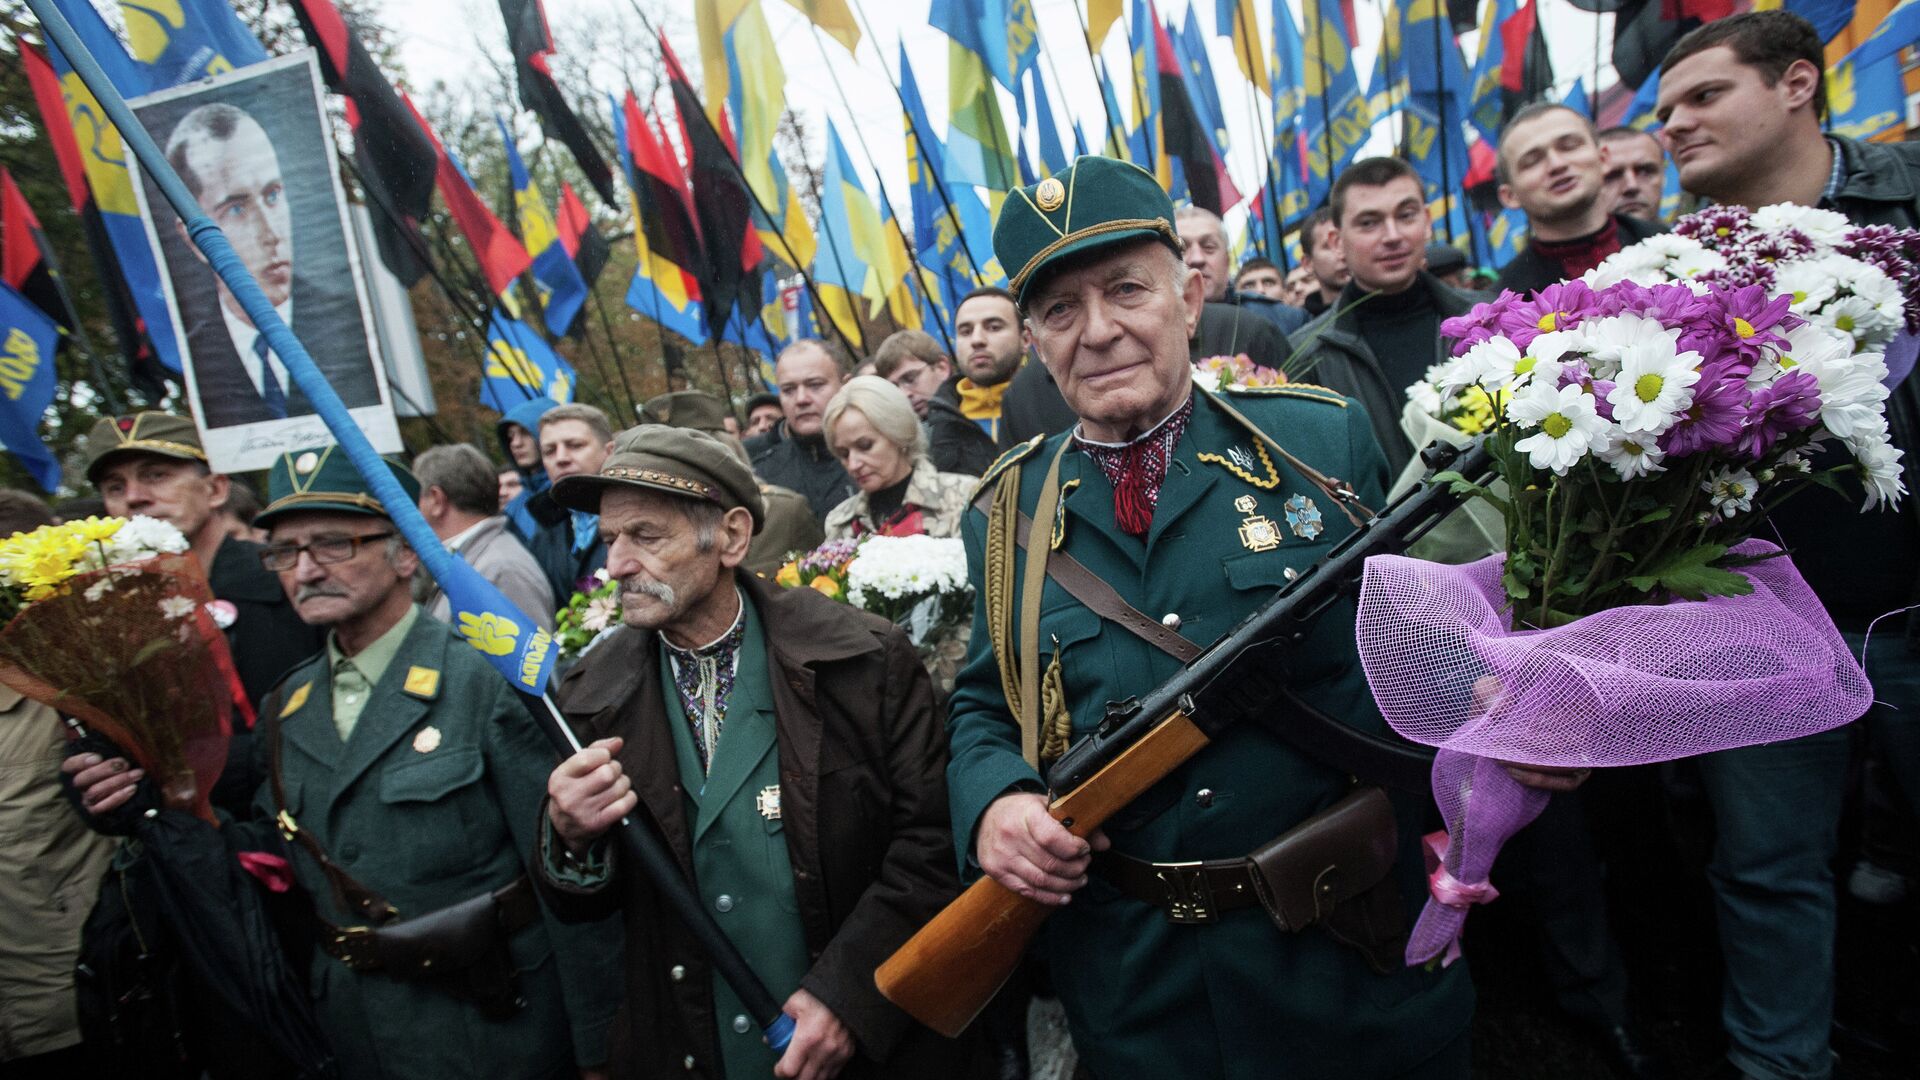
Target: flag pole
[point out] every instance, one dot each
(648, 849)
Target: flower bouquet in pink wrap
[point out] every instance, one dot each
(1639, 433)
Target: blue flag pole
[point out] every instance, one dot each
(486, 617)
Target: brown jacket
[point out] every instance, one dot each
(863, 757)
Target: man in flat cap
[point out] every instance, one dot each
(404, 780)
(1195, 509)
(787, 749)
(789, 524)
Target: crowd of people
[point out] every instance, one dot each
(459, 905)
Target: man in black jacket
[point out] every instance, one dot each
(1552, 165)
(1742, 100)
(795, 454)
(1383, 333)
(151, 463)
(914, 362)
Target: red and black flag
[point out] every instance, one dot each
(1643, 30)
(501, 255)
(395, 158)
(660, 198)
(1527, 73)
(144, 368)
(582, 242)
(1185, 136)
(532, 45)
(724, 209)
(26, 262)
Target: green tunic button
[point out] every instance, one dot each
(688, 1062)
(741, 1024)
(724, 903)
(677, 972)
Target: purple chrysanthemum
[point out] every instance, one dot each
(1714, 419)
(1751, 321)
(1716, 226)
(1478, 325)
(1556, 307)
(1789, 404)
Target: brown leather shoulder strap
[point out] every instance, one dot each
(348, 893)
(1101, 598)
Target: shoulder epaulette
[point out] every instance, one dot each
(1000, 463)
(1307, 391)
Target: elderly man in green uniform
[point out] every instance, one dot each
(1195, 510)
(788, 751)
(404, 784)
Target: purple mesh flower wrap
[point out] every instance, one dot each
(1626, 686)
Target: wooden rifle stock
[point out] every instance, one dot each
(945, 974)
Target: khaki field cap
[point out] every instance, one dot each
(157, 433)
(676, 461)
(694, 409)
(1098, 202)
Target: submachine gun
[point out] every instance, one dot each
(948, 971)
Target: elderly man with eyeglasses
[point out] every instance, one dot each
(404, 785)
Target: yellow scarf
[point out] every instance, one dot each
(980, 402)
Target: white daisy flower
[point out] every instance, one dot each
(1693, 264)
(1668, 246)
(1609, 338)
(1654, 387)
(1731, 491)
(1633, 454)
(1807, 281)
(1880, 471)
(1823, 227)
(1857, 317)
(1501, 365)
(99, 589)
(1206, 379)
(176, 607)
(1568, 425)
(1425, 397)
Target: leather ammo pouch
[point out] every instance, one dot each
(1336, 869)
(460, 950)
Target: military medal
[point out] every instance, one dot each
(1303, 517)
(1257, 531)
(427, 740)
(768, 802)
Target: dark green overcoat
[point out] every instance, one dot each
(1237, 998)
(434, 798)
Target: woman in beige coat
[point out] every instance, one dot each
(871, 427)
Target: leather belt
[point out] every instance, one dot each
(362, 949)
(1191, 893)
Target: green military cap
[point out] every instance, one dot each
(676, 461)
(1098, 202)
(694, 409)
(325, 479)
(161, 434)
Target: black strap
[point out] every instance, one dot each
(348, 892)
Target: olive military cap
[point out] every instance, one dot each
(675, 461)
(1097, 203)
(325, 479)
(694, 409)
(161, 434)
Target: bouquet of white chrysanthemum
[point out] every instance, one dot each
(1859, 280)
(917, 581)
(110, 621)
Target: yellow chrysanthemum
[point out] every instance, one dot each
(789, 576)
(95, 529)
(826, 586)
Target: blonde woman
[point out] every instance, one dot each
(872, 429)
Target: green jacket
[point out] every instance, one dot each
(434, 798)
(1237, 998)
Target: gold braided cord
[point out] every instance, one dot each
(1159, 225)
(1002, 520)
(1273, 476)
(1056, 724)
(1060, 516)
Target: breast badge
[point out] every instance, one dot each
(1257, 531)
(768, 802)
(1303, 518)
(427, 740)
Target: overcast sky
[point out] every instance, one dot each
(438, 40)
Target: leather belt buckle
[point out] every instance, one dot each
(354, 946)
(1189, 895)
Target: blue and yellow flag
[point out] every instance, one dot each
(1435, 137)
(670, 307)
(1146, 143)
(944, 252)
(1235, 19)
(1486, 106)
(838, 270)
(764, 330)
(520, 366)
(182, 40)
(27, 342)
(979, 150)
(1053, 153)
(1337, 117)
(563, 292)
(1285, 201)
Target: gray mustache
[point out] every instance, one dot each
(308, 592)
(658, 590)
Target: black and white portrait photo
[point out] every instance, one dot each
(253, 149)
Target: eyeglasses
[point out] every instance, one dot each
(325, 551)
